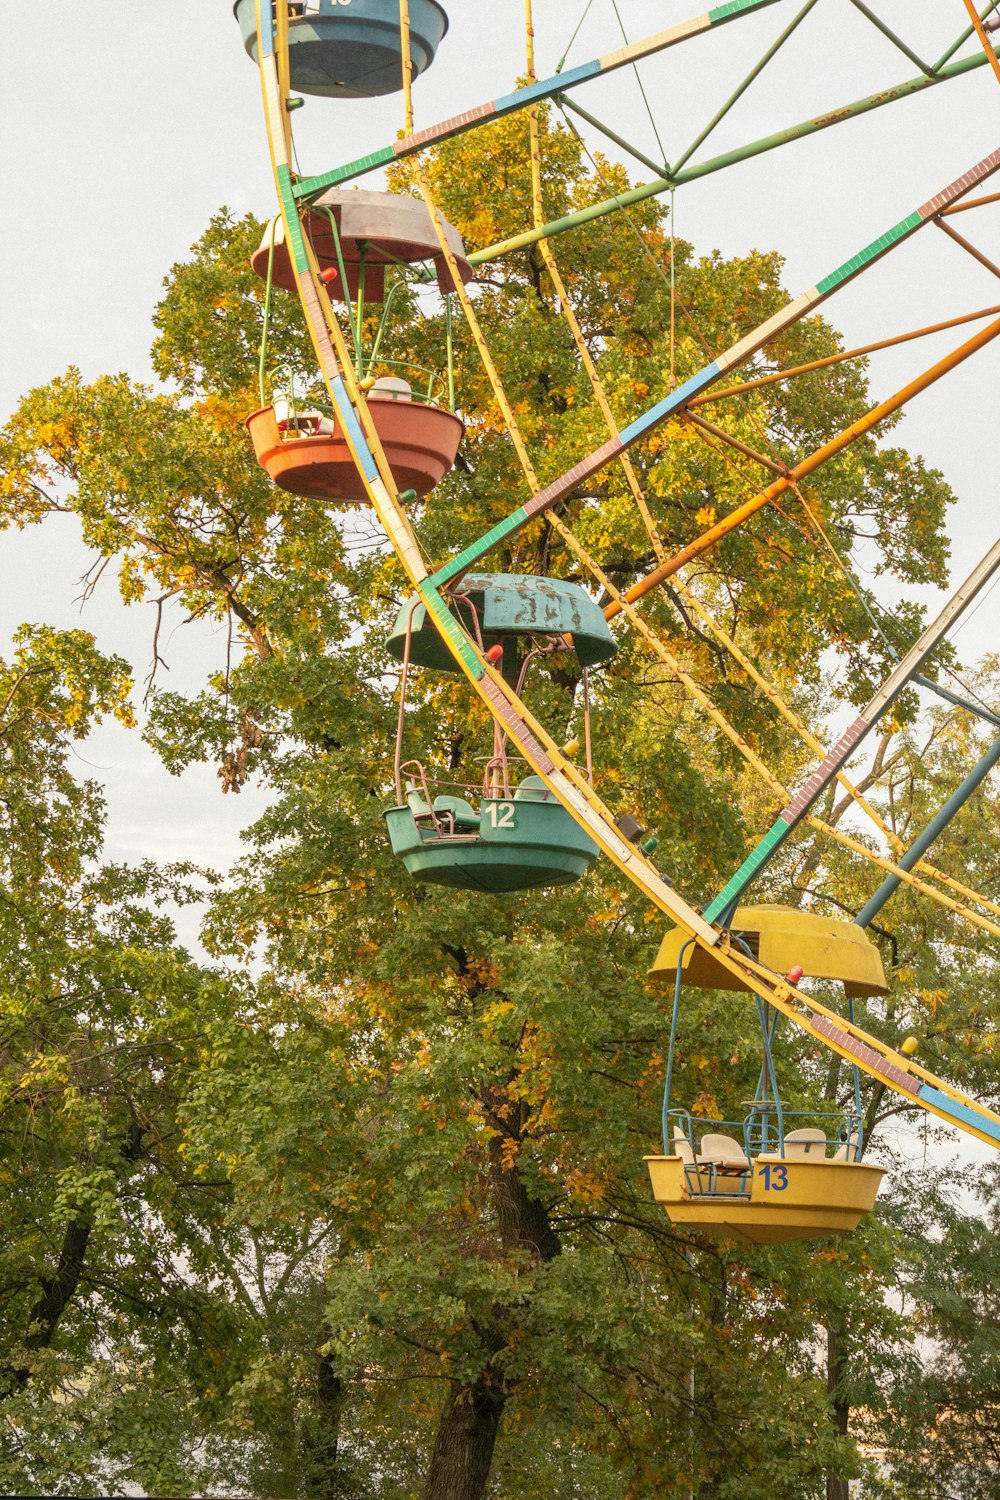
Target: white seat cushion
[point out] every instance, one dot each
(806, 1142)
(722, 1150)
(683, 1147)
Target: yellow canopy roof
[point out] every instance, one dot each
(781, 938)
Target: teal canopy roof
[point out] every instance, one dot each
(509, 604)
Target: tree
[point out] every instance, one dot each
(97, 1006)
(938, 1428)
(410, 1245)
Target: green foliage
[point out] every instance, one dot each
(278, 1235)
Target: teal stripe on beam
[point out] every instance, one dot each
(476, 550)
(545, 88)
(746, 871)
(447, 624)
(963, 1114)
(265, 39)
(292, 225)
(869, 253)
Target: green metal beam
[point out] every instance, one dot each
(897, 41)
(962, 38)
(728, 159)
(647, 161)
(572, 221)
(738, 93)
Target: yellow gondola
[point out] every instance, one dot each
(767, 1199)
(777, 1174)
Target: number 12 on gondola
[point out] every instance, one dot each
(501, 814)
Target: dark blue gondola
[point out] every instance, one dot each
(351, 49)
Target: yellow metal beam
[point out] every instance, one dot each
(967, 246)
(804, 468)
(980, 29)
(775, 376)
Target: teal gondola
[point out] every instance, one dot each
(351, 49)
(509, 832)
(523, 842)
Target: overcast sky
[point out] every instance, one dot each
(126, 124)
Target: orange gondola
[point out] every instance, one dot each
(306, 452)
(356, 238)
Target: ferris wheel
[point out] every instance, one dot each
(381, 431)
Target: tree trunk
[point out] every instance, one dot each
(836, 1369)
(321, 1438)
(470, 1420)
(523, 1221)
(466, 1437)
(56, 1294)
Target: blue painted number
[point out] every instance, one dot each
(775, 1179)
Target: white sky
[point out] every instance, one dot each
(125, 124)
